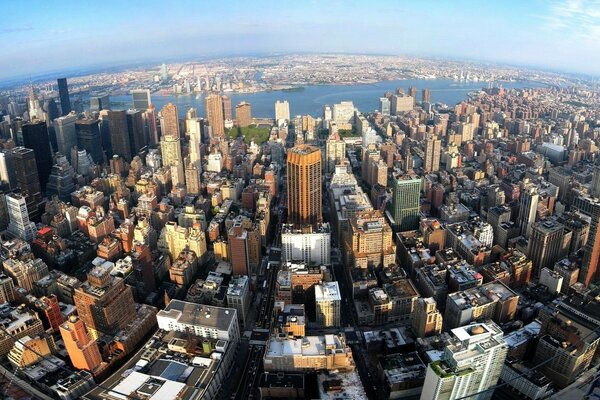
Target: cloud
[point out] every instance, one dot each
(13, 29)
(579, 19)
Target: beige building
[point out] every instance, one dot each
(304, 186)
(328, 300)
(427, 320)
(174, 239)
(214, 114)
(368, 240)
(243, 114)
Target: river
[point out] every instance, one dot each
(311, 98)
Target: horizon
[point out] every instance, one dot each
(555, 36)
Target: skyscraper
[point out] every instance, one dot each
(66, 135)
(135, 129)
(471, 363)
(83, 350)
(406, 202)
(214, 114)
(20, 226)
(170, 148)
(88, 138)
(35, 137)
(282, 110)
(27, 178)
(328, 300)
(169, 118)
(119, 135)
(227, 109)
(546, 244)
(591, 251)
(304, 185)
(63, 93)
(528, 203)
(426, 95)
(243, 114)
(433, 154)
(384, 105)
(141, 99)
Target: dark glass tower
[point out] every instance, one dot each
(63, 92)
(35, 137)
(119, 135)
(88, 138)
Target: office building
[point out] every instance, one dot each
(426, 96)
(19, 224)
(66, 134)
(82, 349)
(119, 135)
(472, 363)
(304, 185)
(30, 350)
(175, 239)
(61, 181)
(239, 297)
(6, 289)
(99, 102)
(104, 303)
(8, 179)
(282, 110)
(35, 137)
(335, 153)
(493, 300)
(528, 205)
(591, 252)
(243, 114)
(27, 178)
(141, 99)
(169, 121)
(227, 109)
(136, 131)
(547, 244)
(18, 323)
(406, 202)
(310, 353)
(367, 240)
(433, 154)
(327, 301)
(400, 103)
(384, 106)
(427, 320)
(343, 114)
(89, 139)
(306, 244)
(214, 114)
(25, 272)
(63, 93)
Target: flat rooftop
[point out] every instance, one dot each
(199, 315)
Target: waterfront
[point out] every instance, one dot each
(310, 99)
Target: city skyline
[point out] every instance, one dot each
(557, 35)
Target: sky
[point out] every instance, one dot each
(46, 36)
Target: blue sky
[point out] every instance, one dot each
(43, 36)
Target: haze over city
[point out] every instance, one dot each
(58, 35)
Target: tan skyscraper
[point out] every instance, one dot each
(282, 110)
(243, 114)
(227, 111)
(214, 114)
(433, 153)
(171, 151)
(304, 185)
(170, 120)
(82, 349)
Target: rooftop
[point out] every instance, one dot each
(199, 315)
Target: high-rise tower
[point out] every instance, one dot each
(169, 118)
(63, 93)
(35, 137)
(119, 135)
(406, 202)
(214, 114)
(304, 185)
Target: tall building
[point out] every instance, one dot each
(141, 99)
(406, 202)
(19, 225)
(384, 106)
(327, 301)
(546, 244)
(471, 363)
(400, 103)
(335, 153)
(169, 117)
(170, 148)
(25, 272)
(62, 179)
(238, 250)
(304, 185)
(282, 110)
(243, 114)
(239, 296)
(433, 154)
(119, 135)
(427, 320)
(35, 137)
(63, 93)
(307, 244)
(227, 109)
(66, 135)
(214, 114)
(368, 241)
(89, 139)
(528, 204)
(7, 170)
(426, 95)
(135, 129)
(591, 251)
(82, 349)
(104, 303)
(27, 178)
